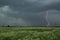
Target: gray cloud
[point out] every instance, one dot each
(6, 17)
(29, 12)
(31, 5)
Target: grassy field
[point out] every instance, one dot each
(29, 33)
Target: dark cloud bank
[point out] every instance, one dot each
(29, 12)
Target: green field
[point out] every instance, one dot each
(29, 33)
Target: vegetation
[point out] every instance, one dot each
(29, 33)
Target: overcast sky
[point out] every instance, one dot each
(29, 12)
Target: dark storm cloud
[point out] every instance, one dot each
(27, 12)
(32, 5)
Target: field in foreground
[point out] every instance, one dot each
(29, 33)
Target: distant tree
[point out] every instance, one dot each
(8, 25)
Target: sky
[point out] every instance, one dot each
(29, 12)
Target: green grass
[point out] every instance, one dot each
(29, 33)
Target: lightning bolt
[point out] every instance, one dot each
(47, 19)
